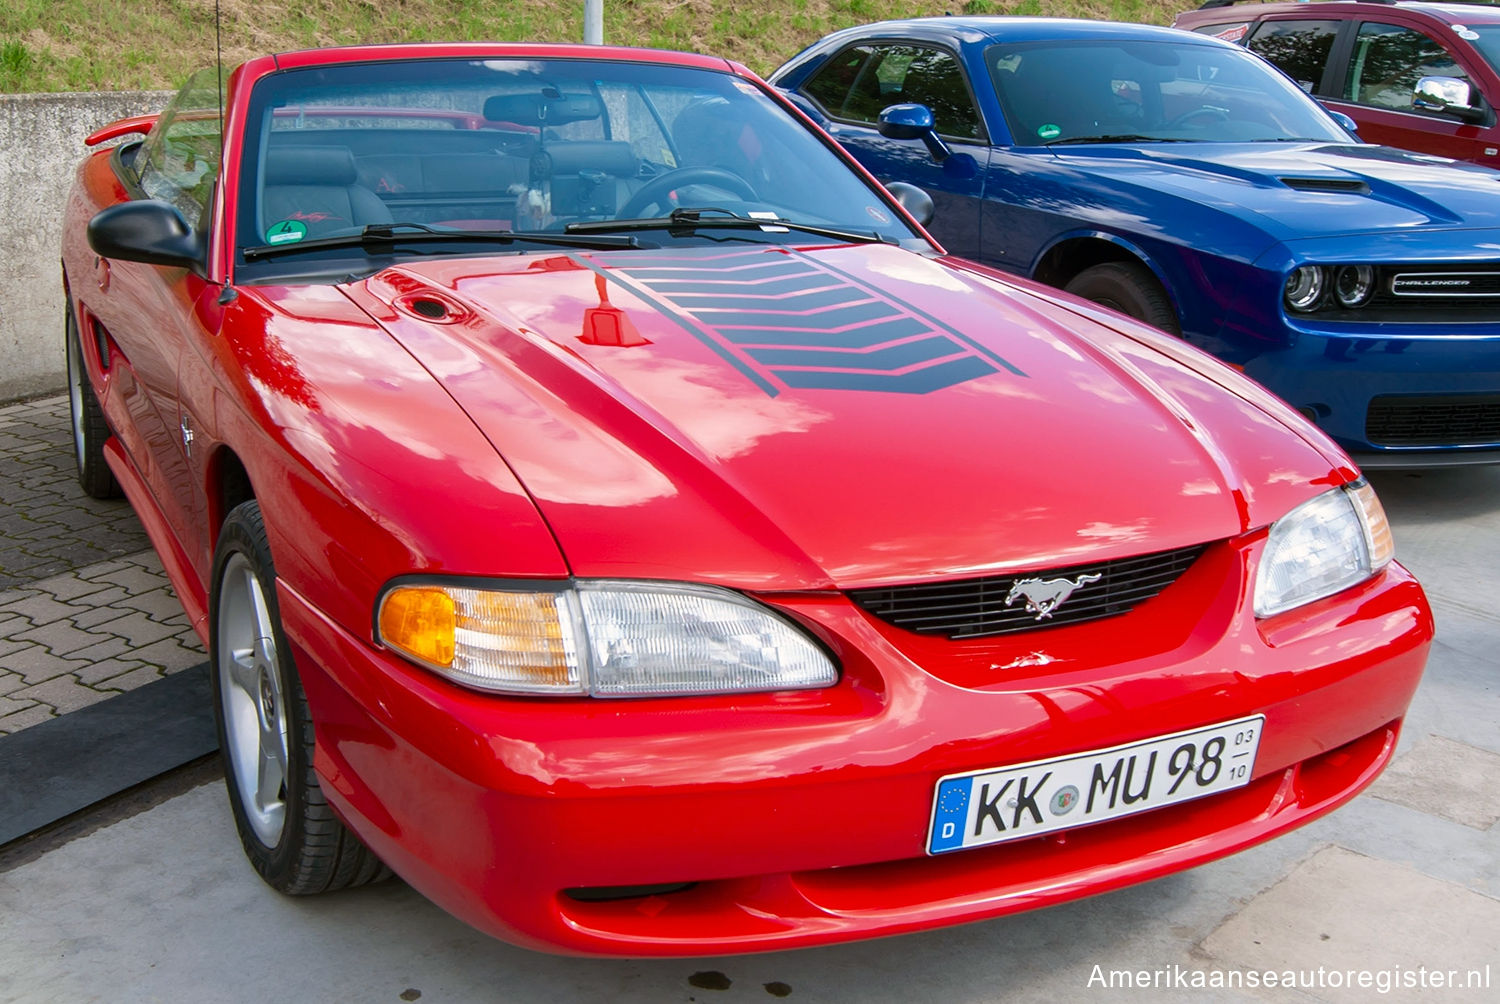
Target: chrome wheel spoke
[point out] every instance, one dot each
(244, 670)
(254, 705)
(270, 787)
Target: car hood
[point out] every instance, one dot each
(1296, 190)
(776, 418)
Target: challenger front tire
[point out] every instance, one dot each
(1129, 288)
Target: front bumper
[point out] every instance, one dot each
(801, 819)
(1432, 380)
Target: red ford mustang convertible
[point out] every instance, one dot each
(607, 508)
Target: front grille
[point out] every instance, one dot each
(1433, 420)
(973, 608)
(1435, 285)
(1437, 294)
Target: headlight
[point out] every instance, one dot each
(1324, 545)
(1304, 287)
(1353, 284)
(602, 637)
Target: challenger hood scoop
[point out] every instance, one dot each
(1328, 185)
(769, 417)
(1301, 190)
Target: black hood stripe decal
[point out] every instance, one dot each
(786, 319)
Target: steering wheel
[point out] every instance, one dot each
(1207, 112)
(655, 190)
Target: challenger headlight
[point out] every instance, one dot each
(1304, 287)
(601, 637)
(1326, 544)
(1353, 285)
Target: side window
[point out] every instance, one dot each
(1387, 62)
(832, 85)
(1299, 48)
(1235, 32)
(180, 159)
(862, 81)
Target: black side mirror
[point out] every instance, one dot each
(914, 200)
(148, 231)
(913, 122)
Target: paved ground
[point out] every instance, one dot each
(152, 902)
(85, 611)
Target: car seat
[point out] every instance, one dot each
(318, 186)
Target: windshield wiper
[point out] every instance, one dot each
(384, 236)
(1124, 137)
(699, 218)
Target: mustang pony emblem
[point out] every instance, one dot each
(1045, 595)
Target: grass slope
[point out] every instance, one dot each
(96, 45)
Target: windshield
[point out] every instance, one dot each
(526, 146)
(1486, 39)
(1083, 91)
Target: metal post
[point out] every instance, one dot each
(593, 22)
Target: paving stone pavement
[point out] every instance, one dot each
(86, 612)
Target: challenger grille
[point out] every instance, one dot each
(1452, 294)
(1446, 284)
(973, 608)
(1433, 420)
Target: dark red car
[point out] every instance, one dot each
(1420, 76)
(607, 508)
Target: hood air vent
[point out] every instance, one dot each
(1347, 185)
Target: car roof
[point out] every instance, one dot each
(490, 50)
(1479, 12)
(1010, 29)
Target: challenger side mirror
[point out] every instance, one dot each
(148, 231)
(913, 122)
(1446, 95)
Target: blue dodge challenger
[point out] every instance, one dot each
(1186, 182)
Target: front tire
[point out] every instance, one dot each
(289, 832)
(1129, 288)
(90, 432)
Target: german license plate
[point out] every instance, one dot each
(1008, 803)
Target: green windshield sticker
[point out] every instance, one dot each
(286, 232)
(1049, 131)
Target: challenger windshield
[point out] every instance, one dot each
(1089, 91)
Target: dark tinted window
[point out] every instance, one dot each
(1235, 32)
(1300, 48)
(859, 83)
(831, 86)
(1387, 62)
(1101, 91)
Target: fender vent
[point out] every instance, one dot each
(974, 608)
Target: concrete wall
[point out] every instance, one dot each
(41, 142)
